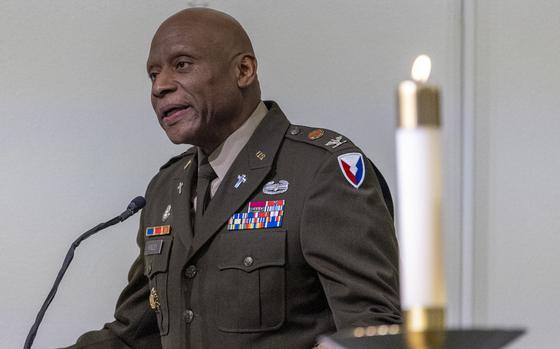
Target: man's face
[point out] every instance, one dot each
(194, 88)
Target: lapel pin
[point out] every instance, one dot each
(260, 155)
(180, 188)
(240, 180)
(166, 213)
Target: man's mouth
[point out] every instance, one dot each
(172, 113)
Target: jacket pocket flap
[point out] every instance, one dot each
(156, 255)
(251, 250)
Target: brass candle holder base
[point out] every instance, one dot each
(425, 328)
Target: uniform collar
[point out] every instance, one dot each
(255, 161)
(222, 158)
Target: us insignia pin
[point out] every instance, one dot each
(260, 155)
(352, 167)
(166, 213)
(272, 188)
(160, 230)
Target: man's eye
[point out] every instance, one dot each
(152, 76)
(182, 64)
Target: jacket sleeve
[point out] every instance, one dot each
(135, 324)
(348, 237)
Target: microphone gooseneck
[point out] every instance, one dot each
(135, 205)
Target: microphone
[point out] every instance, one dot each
(135, 205)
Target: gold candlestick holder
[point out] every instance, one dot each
(425, 327)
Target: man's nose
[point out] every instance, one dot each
(163, 84)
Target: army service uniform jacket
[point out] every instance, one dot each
(323, 258)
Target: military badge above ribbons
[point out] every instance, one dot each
(273, 188)
(260, 215)
(352, 167)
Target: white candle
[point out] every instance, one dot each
(419, 191)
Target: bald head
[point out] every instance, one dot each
(219, 28)
(204, 76)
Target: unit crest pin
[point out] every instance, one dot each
(166, 213)
(315, 134)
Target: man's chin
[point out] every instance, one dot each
(179, 138)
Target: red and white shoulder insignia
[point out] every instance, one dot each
(352, 167)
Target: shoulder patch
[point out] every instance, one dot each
(353, 168)
(174, 159)
(320, 137)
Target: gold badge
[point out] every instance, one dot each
(315, 134)
(154, 300)
(260, 155)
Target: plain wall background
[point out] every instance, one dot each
(78, 139)
(517, 165)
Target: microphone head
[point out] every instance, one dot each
(136, 204)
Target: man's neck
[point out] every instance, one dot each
(246, 112)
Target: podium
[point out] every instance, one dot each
(390, 338)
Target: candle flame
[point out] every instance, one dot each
(421, 68)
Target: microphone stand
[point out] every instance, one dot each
(132, 209)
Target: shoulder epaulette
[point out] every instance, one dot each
(174, 159)
(320, 137)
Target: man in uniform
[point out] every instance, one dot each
(262, 235)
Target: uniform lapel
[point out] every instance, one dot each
(182, 203)
(255, 161)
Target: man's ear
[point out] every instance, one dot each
(246, 70)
